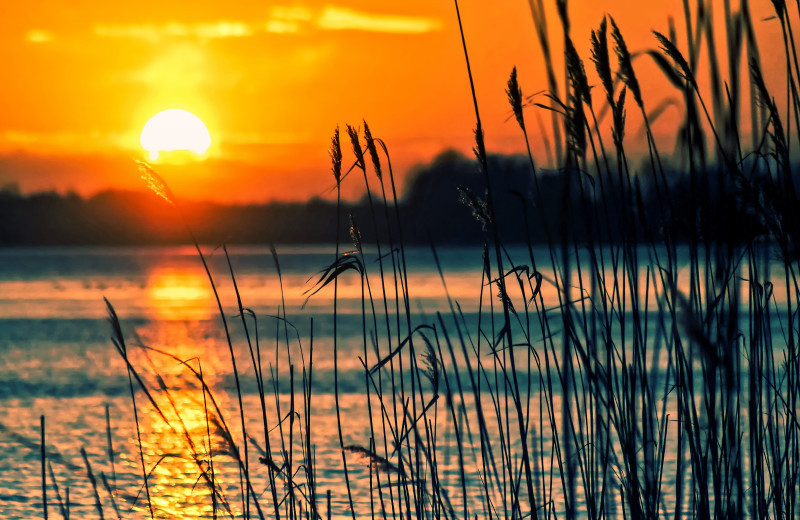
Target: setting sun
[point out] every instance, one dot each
(174, 130)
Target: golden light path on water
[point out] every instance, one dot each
(178, 427)
(181, 434)
(179, 294)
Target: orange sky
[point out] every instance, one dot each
(271, 80)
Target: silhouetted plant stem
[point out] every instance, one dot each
(481, 155)
(44, 473)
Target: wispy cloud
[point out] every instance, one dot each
(288, 19)
(181, 66)
(295, 13)
(282, 27)
(342, 18)
(281, 20)
(63, 141)
(39, 36)
(154, 33)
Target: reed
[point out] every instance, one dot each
(644, 365)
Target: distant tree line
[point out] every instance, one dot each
(443, 202)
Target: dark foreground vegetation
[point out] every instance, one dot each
(662, 383)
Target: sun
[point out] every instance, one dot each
(175, 130)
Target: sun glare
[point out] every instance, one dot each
(175, 130)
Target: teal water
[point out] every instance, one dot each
(59, 362)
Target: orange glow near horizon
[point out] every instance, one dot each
(271, 82)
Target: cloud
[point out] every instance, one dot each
(292, 13)
(223, 30)
(39, 36)
(288, 19)
(281, 20)
(46, 143)
(154, 33)
(178, 67)
(282, 27)
(342, 18)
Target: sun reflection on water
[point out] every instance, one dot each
(183, 440)
(180, 294)
(179, 443)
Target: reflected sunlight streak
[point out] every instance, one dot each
(183, 444)
(180, 295)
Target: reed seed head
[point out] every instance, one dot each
(356, 143)
(601, 59)
(480, 146)
(669, 49)
(478, 206)
(763, 96)
(335, 153)
(502, 296)
(431, 366)
(514, 93)
(155, 183)
(355, 233)
(577, 73)
(373, 459)
(373, 151)
(626, 72)
(576, 129)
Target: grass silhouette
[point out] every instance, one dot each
(663, 383)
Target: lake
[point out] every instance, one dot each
(60, 362)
